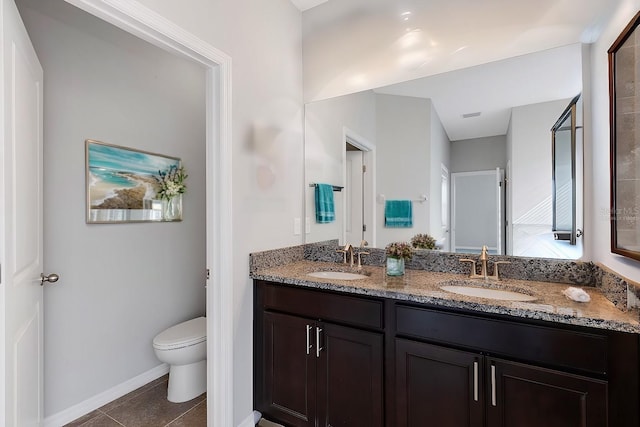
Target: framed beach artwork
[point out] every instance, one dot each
(123, 185)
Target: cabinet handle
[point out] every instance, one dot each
(493, 385)
(318, 348)
(309, 345)
(475, 381)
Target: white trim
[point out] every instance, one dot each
(251, 420)
(99, 400)
(369, 159)
(131, 16)
(3, 257)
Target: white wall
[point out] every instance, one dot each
(531, 158)
(598, 230)
(120, 284)
(403, 169)
(324, 151)
(265, 46)
(479, 154)
(263, 39)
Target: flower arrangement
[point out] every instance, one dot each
(399, 250)
(171, 182)
(423, 241)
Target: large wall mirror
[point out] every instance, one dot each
(624, 57)
(564, 137)
(470, 149)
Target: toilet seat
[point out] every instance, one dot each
(184, 334)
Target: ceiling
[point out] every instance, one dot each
(493, 48)
(493, 89)
(307, 4)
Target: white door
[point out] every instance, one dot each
(21, 210)
(476, 211)
(354, 221)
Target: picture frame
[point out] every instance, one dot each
(624, 109)
(122, 185)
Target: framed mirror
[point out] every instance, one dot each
(564, 183)
(624, 105)
(417, 145)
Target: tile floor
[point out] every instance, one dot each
(147, 407)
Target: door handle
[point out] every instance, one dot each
(475, 380)
(51, 278)
(493, 385)
(318, 348)
(309, 345)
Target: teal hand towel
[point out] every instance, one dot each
(398, 214)
(325, 210)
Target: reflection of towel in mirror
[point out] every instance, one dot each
(325, 210)
(398, 214)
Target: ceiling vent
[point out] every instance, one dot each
(469, 115)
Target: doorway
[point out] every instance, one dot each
(359, 178)
(477, 203)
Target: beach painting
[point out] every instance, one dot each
(121, 183)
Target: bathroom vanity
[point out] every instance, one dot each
(403, 352)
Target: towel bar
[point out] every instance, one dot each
(423, 198)
(335, 187)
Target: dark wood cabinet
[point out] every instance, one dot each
(331, 359)
(438, 386)
(318, 373)
(350, 386)
(528, 396)
(289, 386)
(457, 388)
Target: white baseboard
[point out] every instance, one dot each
(251, 419)
(99, 400)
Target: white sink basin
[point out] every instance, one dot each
(489, 293)
(338, 275)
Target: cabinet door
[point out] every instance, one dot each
(350, 377)
(527, 396)
(438, 386)
(289, 384)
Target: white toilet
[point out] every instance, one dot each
(184, 348)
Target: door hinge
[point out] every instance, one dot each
(208, 273)
(364, 227)
(364, 168)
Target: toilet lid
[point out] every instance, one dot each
(184, 334)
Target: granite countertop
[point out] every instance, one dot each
(424, 287)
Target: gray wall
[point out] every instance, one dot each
(479, 154)
(403, 161)
(120, 284)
